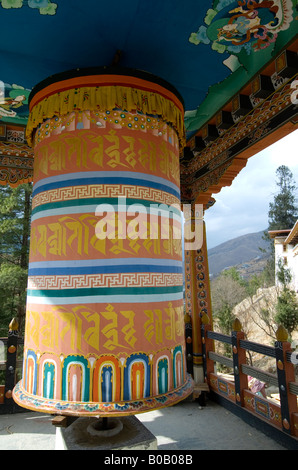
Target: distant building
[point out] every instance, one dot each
(286, 249)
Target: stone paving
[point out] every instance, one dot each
(185, 426)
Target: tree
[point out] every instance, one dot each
(227, 290)
(282, 215)
(15, 210)
(287, 302)
(225, 318)
(283, 211)
(287, 310)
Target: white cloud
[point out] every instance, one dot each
(243, 207)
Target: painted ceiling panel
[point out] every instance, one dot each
(207, 49)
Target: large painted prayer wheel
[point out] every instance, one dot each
(104, 323)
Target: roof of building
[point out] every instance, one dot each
(290, 235)
(292, 238)
(279, 233)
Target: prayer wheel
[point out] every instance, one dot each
(104, 321)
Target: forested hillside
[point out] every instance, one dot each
(237, 251)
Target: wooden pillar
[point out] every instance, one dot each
(208, 345)
(239, 358)
(197, 290)
(286, 374)
(10, 373)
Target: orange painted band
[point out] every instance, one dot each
(104, 80)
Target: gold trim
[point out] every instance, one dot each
(106, 98)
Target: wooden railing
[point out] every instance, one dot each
(282, 414)
(9, 363)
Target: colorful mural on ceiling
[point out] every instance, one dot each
(14, 103)
(252, 25)
(247, 34)
(208, 51)
(45, 7)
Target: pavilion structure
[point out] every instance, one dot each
(155, 102)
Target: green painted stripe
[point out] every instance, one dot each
(97, 201)
(104, 291)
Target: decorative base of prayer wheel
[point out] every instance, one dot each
(34, 403)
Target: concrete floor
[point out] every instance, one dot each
(185, 426)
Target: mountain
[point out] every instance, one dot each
(243, 251)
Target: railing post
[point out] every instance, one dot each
(207, 345)
(188, 343)
(10, 373)
(285, 374)
(239, 358)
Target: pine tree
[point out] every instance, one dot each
(287, 310)
(282, 214)
(15, 210)
(283, 211)
(287, 302)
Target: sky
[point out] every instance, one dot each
(242, 208)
